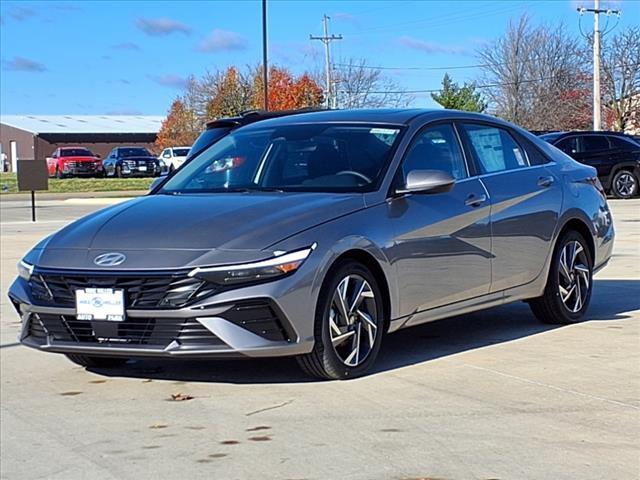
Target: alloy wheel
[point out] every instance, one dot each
(353, 322)
(574, 276)
(625, 184)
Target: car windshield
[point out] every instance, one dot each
(550, 137)
(134, 152)
(75, 152)
(180, 152)
(319, 157)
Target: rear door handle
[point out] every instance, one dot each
(545, 181)
(475, 201)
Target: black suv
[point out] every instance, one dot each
(615, 155)
(131, 161)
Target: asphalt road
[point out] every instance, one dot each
(491, 395)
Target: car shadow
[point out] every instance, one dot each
(430, 341)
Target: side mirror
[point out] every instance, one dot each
(427, 181)
(97, 155)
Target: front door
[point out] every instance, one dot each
(442, 247)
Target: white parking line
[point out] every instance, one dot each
(553, 387)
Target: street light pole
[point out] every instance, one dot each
(597, 109)
(265, 71)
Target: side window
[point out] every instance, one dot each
(54, 154)
(166, 153)
(591, 143)
(535, 156)
(495, 149)
(436, 148)
(620, 143)
(568, 145)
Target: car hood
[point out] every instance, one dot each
(80, 159)
(174, 231)
(139, 159)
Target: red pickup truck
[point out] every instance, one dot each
(74, 161)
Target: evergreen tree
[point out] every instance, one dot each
(456, 97)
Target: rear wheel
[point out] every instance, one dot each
(349, 325)
(568, 292)
(624, 184)
(89, 361)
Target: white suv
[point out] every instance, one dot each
(174, 157)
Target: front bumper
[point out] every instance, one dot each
(82, 169)
(247, 322)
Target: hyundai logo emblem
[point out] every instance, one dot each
(110, 259)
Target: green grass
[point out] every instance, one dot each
(9, 184)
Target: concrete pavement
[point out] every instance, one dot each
(488, 395)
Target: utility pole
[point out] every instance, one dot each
(327, 39)
(265, 67)
(597, 108)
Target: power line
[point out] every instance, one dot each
(489, 85)
(453, 67)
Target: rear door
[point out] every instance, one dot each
(526, 197)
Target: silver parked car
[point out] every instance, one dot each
(316, 234)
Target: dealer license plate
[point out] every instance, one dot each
(100, 304)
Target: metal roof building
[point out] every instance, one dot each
(36, 136)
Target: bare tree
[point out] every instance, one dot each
(362, 86)
(621, 72)
(537, 77)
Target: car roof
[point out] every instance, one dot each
(386, 116)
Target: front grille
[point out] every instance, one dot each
(141, 292)
(157, 332)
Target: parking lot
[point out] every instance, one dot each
(490, 395)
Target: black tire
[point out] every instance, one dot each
(324, 361)
(550, 308)
(624, 184)
(59, 174)
(118, 172)
(89, 361)
(171, 168)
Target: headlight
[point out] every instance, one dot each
(275, 267)
(25, 270)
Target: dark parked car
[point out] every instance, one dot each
(615, 156)
(314, 235)
(74, 162)
(131, 161)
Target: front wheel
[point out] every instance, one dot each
(88, 361)
(568, 291)
(349, 325)
(59, 174)
(118, 172)
(624, 184)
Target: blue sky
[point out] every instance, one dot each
(131, 57)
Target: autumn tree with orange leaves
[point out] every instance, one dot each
(179, 128)
(287, 92)
(230, 92)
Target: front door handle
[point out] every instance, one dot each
(475, 200)
(545, 181)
